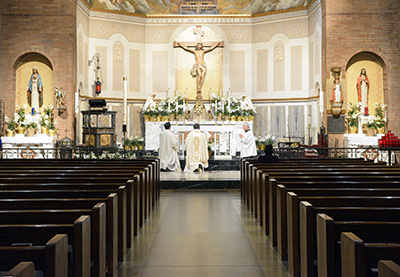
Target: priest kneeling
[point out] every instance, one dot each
(168, 152)
(196, 150)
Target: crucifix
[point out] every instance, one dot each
(199, 69)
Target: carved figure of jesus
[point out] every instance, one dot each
(200, 67)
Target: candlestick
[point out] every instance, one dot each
(229, 92)
(125, 79)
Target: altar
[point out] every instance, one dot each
(225, 140)
(40, 146)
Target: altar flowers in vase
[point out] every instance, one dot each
(353, 112)
(12, 125)
(47, 122)
(19, 118)
(380, 118)
(150, 111)
(371, 125)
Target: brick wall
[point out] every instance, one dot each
(49, 28)
(350, 27)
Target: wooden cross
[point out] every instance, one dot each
(200, 48)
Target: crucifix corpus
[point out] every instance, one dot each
(199, 69)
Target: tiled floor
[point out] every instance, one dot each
(201, 233)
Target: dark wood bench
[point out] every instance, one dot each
(79, 237)
(380, 230)
(305, 224)
(388, 268)
(360, 259)
(23, 269)
(51, 258)
(98, 227)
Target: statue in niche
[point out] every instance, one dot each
(337, 97)
(35, 90)
(363, 85)
(60, 98)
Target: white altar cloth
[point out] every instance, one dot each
(21, 147)
(228, 135)
(356, 140)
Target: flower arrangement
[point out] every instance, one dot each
(12, 125)
(48, 118)
(134, 142)
(19, 116)
(371, 123)
(269, 139)
(380, 115)
(353, 113)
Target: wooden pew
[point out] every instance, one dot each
(37, 234)
(98, 227)
(52, 258)
(23, 269)
(306, 228)
(359, 258)
(388, 269)
(289, 214)
(381, 230)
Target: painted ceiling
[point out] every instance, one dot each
(162, 7)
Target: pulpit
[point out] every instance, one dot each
(99, 128)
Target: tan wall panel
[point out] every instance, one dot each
(134, 70)
(160, 71)
(262, 70)
(118, 66)
(296, 68)
(85, 66)
(102, 50)
(279, 66)
(237, 71)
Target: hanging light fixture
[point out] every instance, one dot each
(99, 76)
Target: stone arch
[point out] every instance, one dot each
(23, 70)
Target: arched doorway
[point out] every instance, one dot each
(23, 67)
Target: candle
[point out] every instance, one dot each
(210, 92)
(215, 107)
(187, 93)
(176, 92)
(220, 92)
(229, 92)
(125, 79)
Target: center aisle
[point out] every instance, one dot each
(201, 233)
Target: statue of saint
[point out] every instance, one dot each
(60, 98)
(35, 90)
(337, 95)
(363, 90)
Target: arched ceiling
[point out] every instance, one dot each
(167, 7)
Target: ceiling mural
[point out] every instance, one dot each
(154, 7)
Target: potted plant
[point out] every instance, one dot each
(380, 118)
(371, 125)
(52, 129)
(140, 143)
(31, 129)
(353, 113)
(11, 126)
(19, 118)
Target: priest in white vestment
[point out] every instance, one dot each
(196, 150)
(249, 148)
(168, 151)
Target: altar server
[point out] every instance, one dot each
(196, 150)
(249, 148)
(168, 152)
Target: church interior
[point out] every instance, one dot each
(88, 85)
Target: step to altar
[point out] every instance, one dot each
(218, 165)
(205, 180)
